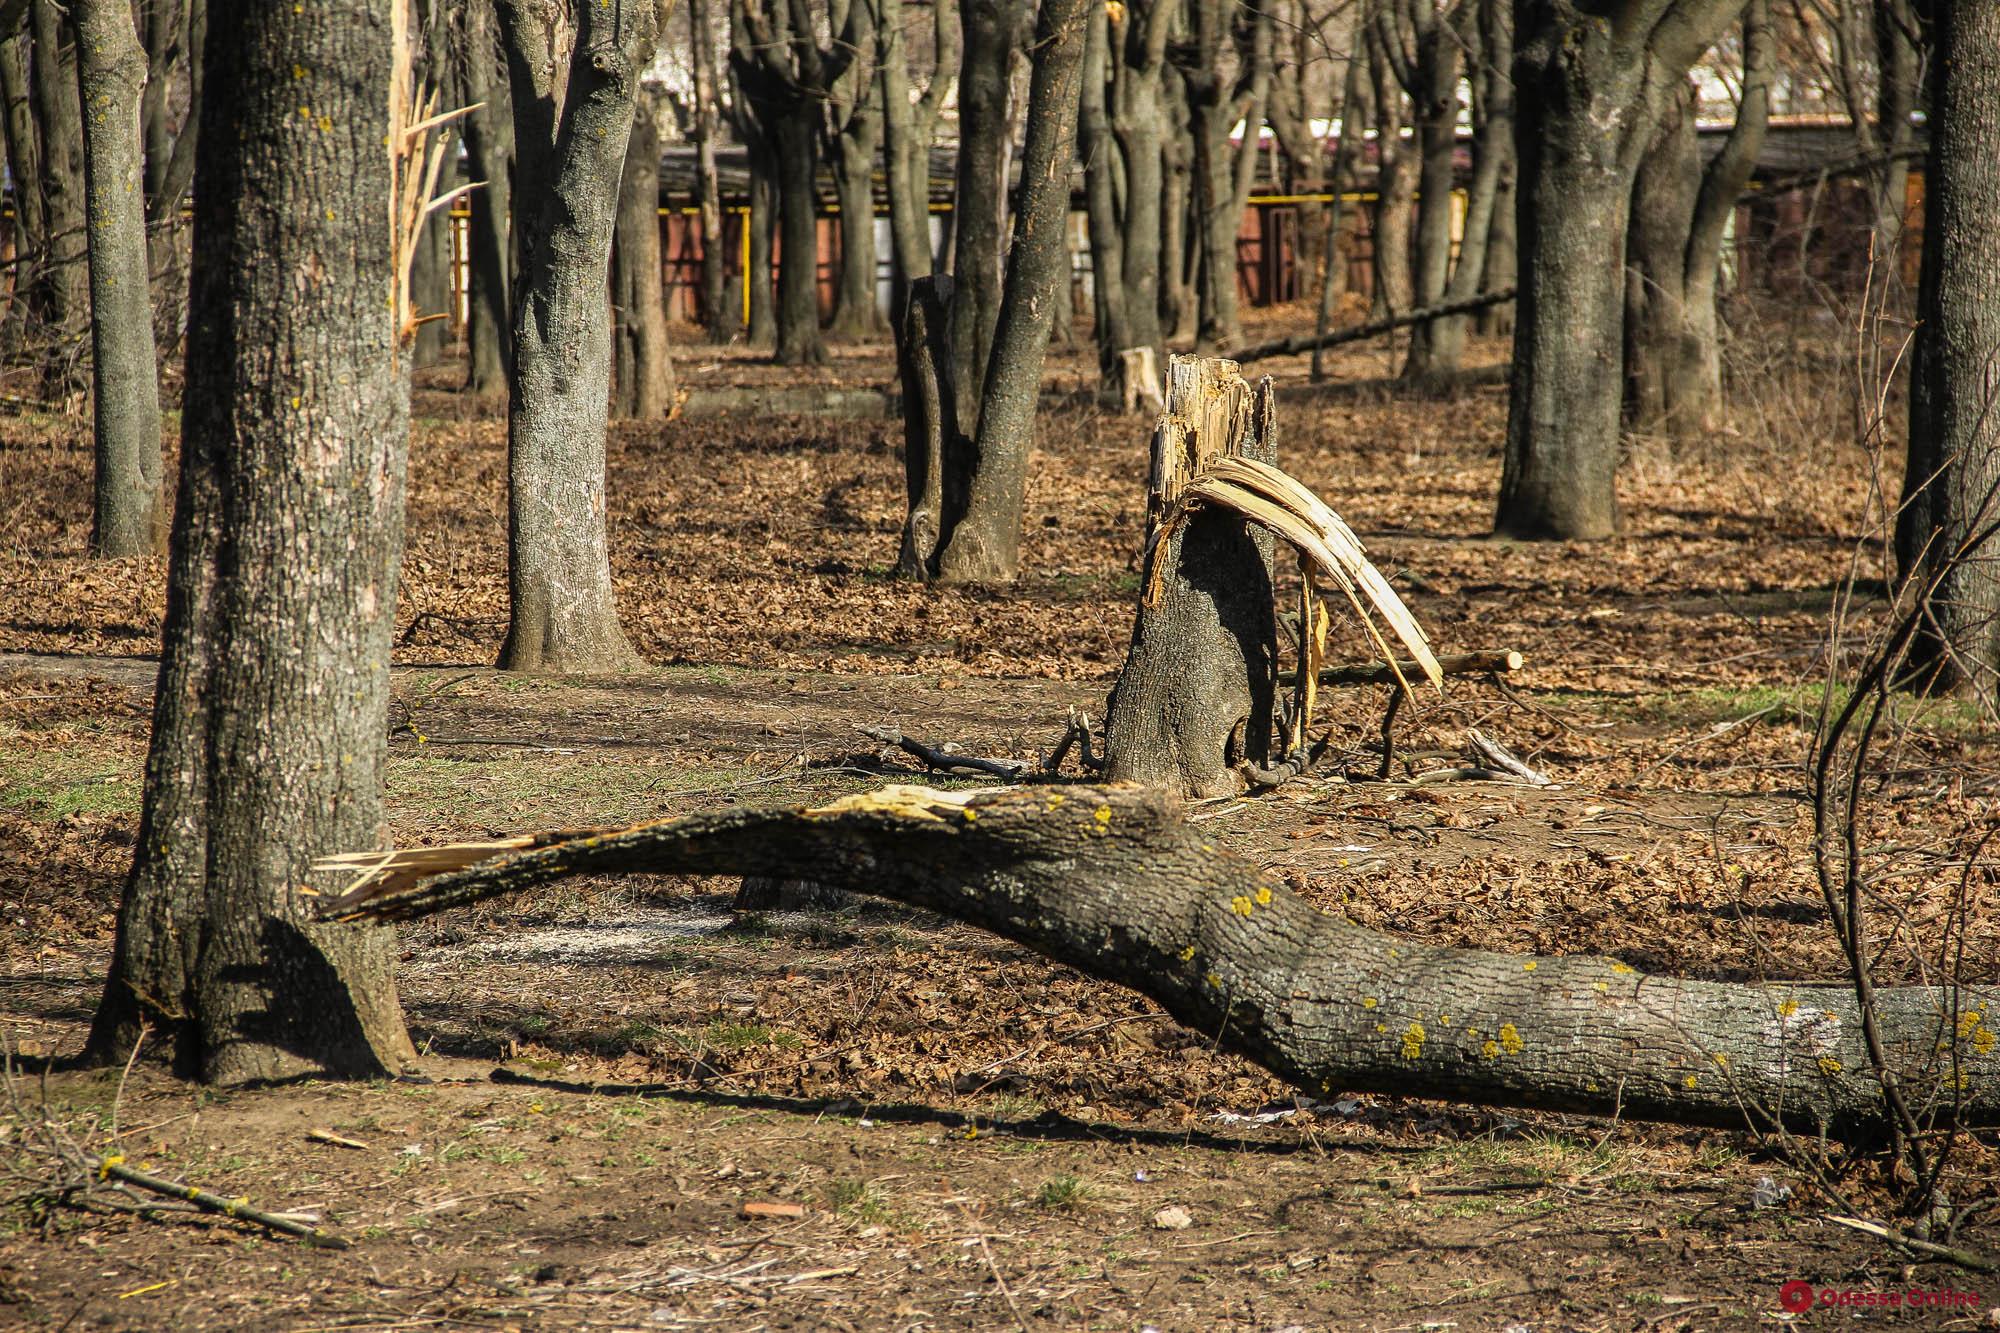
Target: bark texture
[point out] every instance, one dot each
(1111, 881)
(1945, 539)
(983, 544)
(269, 721)
(715, 317)
(907, 128)
(1590, 80)
(857, 132)
(489, 151)
(570, 135)
(1196, 696)
(130, 516)
(935, 453)
(66, 279)
(979, 204)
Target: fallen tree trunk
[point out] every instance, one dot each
(1111, 881)
(1306, 342)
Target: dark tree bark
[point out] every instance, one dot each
(983, 545)
(719, 322)
(24, 156)
(979, 205)
(1500, 268)
(1590, 80)
(763, 223)
(1112, 881)
(129, 516)
(1680, 212)
(857, 131)
(489, 151)
(644, 383)
(270, 718)
(59, 125)
(1945, 542)
(571, 136)
(167, 183)
(1196, 696)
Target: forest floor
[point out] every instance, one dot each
(641, 1110)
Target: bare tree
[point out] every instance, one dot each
(59, 126)
(1591, 79)
(270, 717)
(787, 77)
(1221, 179)
(572, 119)
(489, 152)
(993, 29)
(1680, 214)
(983, 544)
(907, 130)
(1951, 485)
(130, 514)
(1395, 181)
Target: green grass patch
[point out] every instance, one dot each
(49, 785)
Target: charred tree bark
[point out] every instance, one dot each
(489, 150)
(979, 206)
(1590, 82)
(270, 717)
(983, 545)
(715, 318)
(645, 379)
(130, 516)
(1946, 544)
(571, 137)
(1197, 693)
(1111, 881)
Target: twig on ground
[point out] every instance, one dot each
(1929, 1249)
(1496, 755)
(943, 761)
(114, 1168)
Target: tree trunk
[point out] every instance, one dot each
(489, 150)
(1443, 340)
(1434, 98)
(571, 139)
(795, 139)
(909, 195)
(1100, 170)
(1196, 696)
(271, 714)
(979, 208)
(646, 390)
(857, 109)
(1589, 89)
(1179, 257)
(130, 516)
(762, 221)
(430, 290)
(1395, 185)
(936, 455)
(983, 546)
(1351, 114)
(1945, 531)
(1502, 264)
(59, 122)
(1113, 882)
(1138, 118)
(24, 157)
(718, 321)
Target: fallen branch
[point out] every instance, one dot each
(1305, 342)
(1111, 880)
(1950, 1254)
(114, 1168)
(944, 761)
